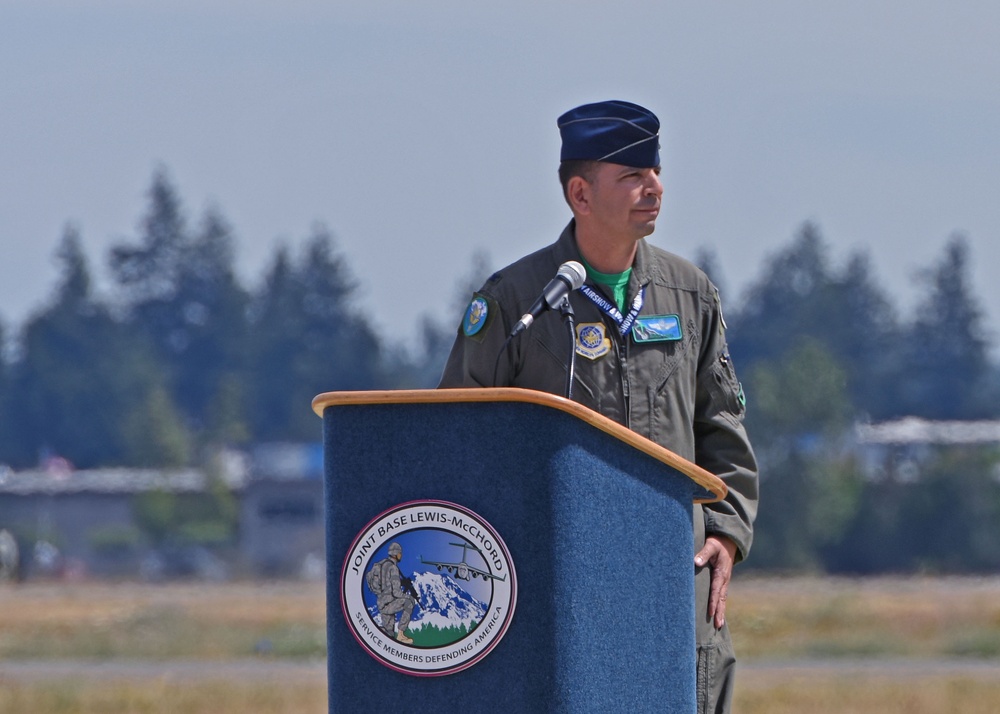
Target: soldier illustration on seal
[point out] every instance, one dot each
(395, 594)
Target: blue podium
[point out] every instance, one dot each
(530, 556)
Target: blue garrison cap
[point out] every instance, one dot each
(614, 131)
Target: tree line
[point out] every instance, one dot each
(822, 348)
(179, 357)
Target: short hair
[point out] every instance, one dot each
(584, 168)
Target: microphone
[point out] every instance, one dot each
(570, 277)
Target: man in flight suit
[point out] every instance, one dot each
(650, 344)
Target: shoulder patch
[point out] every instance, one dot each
(478, 315)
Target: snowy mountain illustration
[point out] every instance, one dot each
(444, 603)
(444, 606)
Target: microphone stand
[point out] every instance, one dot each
(569, 317)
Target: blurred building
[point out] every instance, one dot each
(110, 522)
(895, 450)
(281, 511)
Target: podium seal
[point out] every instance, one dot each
(428, 588)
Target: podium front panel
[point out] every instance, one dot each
(599, 534)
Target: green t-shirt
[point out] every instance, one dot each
(617, 282)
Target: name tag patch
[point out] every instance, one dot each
(592, 340)
(657, 328)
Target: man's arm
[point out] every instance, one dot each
(723, 448)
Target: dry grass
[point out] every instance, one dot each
(772, 618)
(106, 621)
(805, 644)
(772, 694)
(833, 617)
(861, 694)
(159, 696)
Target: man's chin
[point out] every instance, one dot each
(646, 223)
(647, 228)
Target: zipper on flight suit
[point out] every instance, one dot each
(621, 354)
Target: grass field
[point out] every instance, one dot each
(878, 617)
(886, 645)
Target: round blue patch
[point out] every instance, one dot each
(475, 316)
(591, 336)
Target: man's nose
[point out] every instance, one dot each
(654, 187)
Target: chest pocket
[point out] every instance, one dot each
(545, 361)
(663, 378)
(656, 362)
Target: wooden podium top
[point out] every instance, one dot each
(710, 482)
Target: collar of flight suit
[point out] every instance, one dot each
(644, 267)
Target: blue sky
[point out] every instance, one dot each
(421, 131)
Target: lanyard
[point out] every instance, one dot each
(624, 322)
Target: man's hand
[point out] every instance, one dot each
(719, 554)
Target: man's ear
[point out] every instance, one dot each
(578, 192)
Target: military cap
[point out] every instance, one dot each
(614, 131)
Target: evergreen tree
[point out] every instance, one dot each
(800, 295)
(77, 374)
(274, 348)
(799, 416)
(865, 338)
(155, 433)
(947, 373)
(180, 293)
(787, 301)
(210, 369)
(148, 272)
(307, 338)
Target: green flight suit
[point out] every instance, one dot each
(681, 393)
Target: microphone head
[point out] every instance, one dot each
(573, 272)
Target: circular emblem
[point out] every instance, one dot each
(475, 316)
(428, 588)
(591, 336)
(591, 340)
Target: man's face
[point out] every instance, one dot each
(625, 201)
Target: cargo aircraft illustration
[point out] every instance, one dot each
(463, 570)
